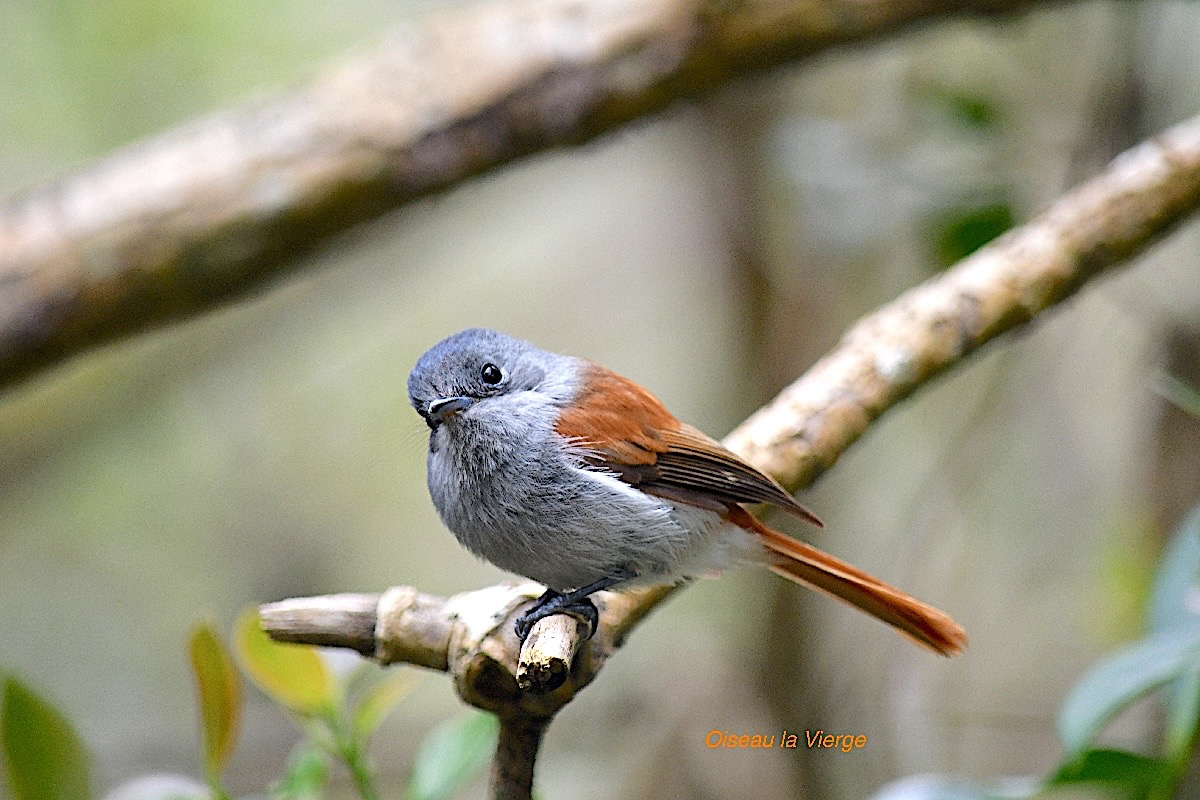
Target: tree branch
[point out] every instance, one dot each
(516, 753)
(174, 225)
(1143, 194)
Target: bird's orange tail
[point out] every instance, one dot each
(811, 567)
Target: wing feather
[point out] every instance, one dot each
(625, 430)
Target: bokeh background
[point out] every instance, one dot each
(267, 450)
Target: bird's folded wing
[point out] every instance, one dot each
(625, 430)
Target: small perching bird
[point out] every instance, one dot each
(560, 470)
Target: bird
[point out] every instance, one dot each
(558, 469)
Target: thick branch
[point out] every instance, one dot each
(469, 632)
(516, 753)
(548, 653)
(171, 226)
(336, 620)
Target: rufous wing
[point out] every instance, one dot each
(629, 433)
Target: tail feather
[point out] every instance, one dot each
(811, 567)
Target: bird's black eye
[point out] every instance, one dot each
(491, 374)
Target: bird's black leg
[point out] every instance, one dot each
(576, 602)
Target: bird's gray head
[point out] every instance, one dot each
(473, 366)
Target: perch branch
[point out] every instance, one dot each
(336, 620)
(176, 224)
(1143, 194)
(547, 654)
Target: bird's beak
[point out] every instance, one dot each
(444, 408)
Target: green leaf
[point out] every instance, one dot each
(306, 775)
(1175, 598)
(380, 699)
(1173, 604)
(1115, 682)
(452, 755)
(45, 759)
(962, 231)
(220, 697)
(294, 675)
(1179, 393)
(969, 109)
(973, 111)
(1135, 775)
(1183, 715)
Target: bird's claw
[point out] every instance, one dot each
(583, 610)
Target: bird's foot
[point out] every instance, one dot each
(551, 603)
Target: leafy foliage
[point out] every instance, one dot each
(305, 776)
(1131, 774)
(451, 755)
(1179, 393)
(971, 110)
(220, 698)
(46, 760)
(378, 701)
(1167, 658)
(1114, 683)
(962, 231)
(292, 675)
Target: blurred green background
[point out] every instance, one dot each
(267, 450)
